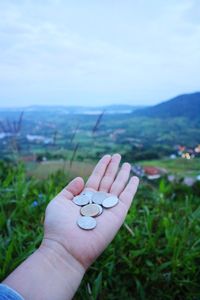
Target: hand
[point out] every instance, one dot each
(55, 270)
(62, 214)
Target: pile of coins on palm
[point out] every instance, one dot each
(92, 205)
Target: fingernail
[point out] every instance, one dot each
(116, 155)
(126, 165)
(106, 156)
(135, 179)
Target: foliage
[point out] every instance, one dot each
(139, 138)
(154, 256)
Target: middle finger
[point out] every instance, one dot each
(110, 173)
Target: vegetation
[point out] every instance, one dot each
(156, 254)
(58, 135)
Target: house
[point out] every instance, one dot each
(152, 172)
(149, 172)
(28, 158)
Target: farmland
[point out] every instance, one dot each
(56, 135)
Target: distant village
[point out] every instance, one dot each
(184, 152)
(153, 173)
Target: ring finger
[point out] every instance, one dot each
(121, 180)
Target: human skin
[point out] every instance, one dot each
(55, 270)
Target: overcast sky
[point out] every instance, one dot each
(95, 52)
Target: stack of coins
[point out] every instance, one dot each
(92, 204)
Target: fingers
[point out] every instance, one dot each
(121, 180)
(129, 192)
(96, 176)
(73, 188)
(110, 173)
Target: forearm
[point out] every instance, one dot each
(49, 273)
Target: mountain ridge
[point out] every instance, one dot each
(78, 108)
(185, 105)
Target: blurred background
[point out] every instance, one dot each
(81, 79)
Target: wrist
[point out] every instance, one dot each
(57, 255)
(49, 273)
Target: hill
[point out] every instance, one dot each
(187, 105)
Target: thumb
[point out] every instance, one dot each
(73, 188)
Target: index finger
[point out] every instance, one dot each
(98, 172)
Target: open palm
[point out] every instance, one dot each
(62, 213)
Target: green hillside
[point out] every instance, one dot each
(187, 105)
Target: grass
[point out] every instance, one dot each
(156, 254)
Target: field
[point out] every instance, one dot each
(181, 167)
(58, 135)
(44, 169)
(154, 256)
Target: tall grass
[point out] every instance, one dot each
(98, 122)
(13, 128)
(93, 132)
(156, 254)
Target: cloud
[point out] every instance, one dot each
(124, 51)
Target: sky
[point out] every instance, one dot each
(91, 52)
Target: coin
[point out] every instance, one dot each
(88, 193)
(110, 201)
(86, 223)
(90, 210)
(98, 197)
(100, 210)
(81, 200)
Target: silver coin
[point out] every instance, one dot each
(81, 200)
(88, 193)
(110, 201)
(98, 197)
(100, 210)
(86, 223)
(90, 210)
